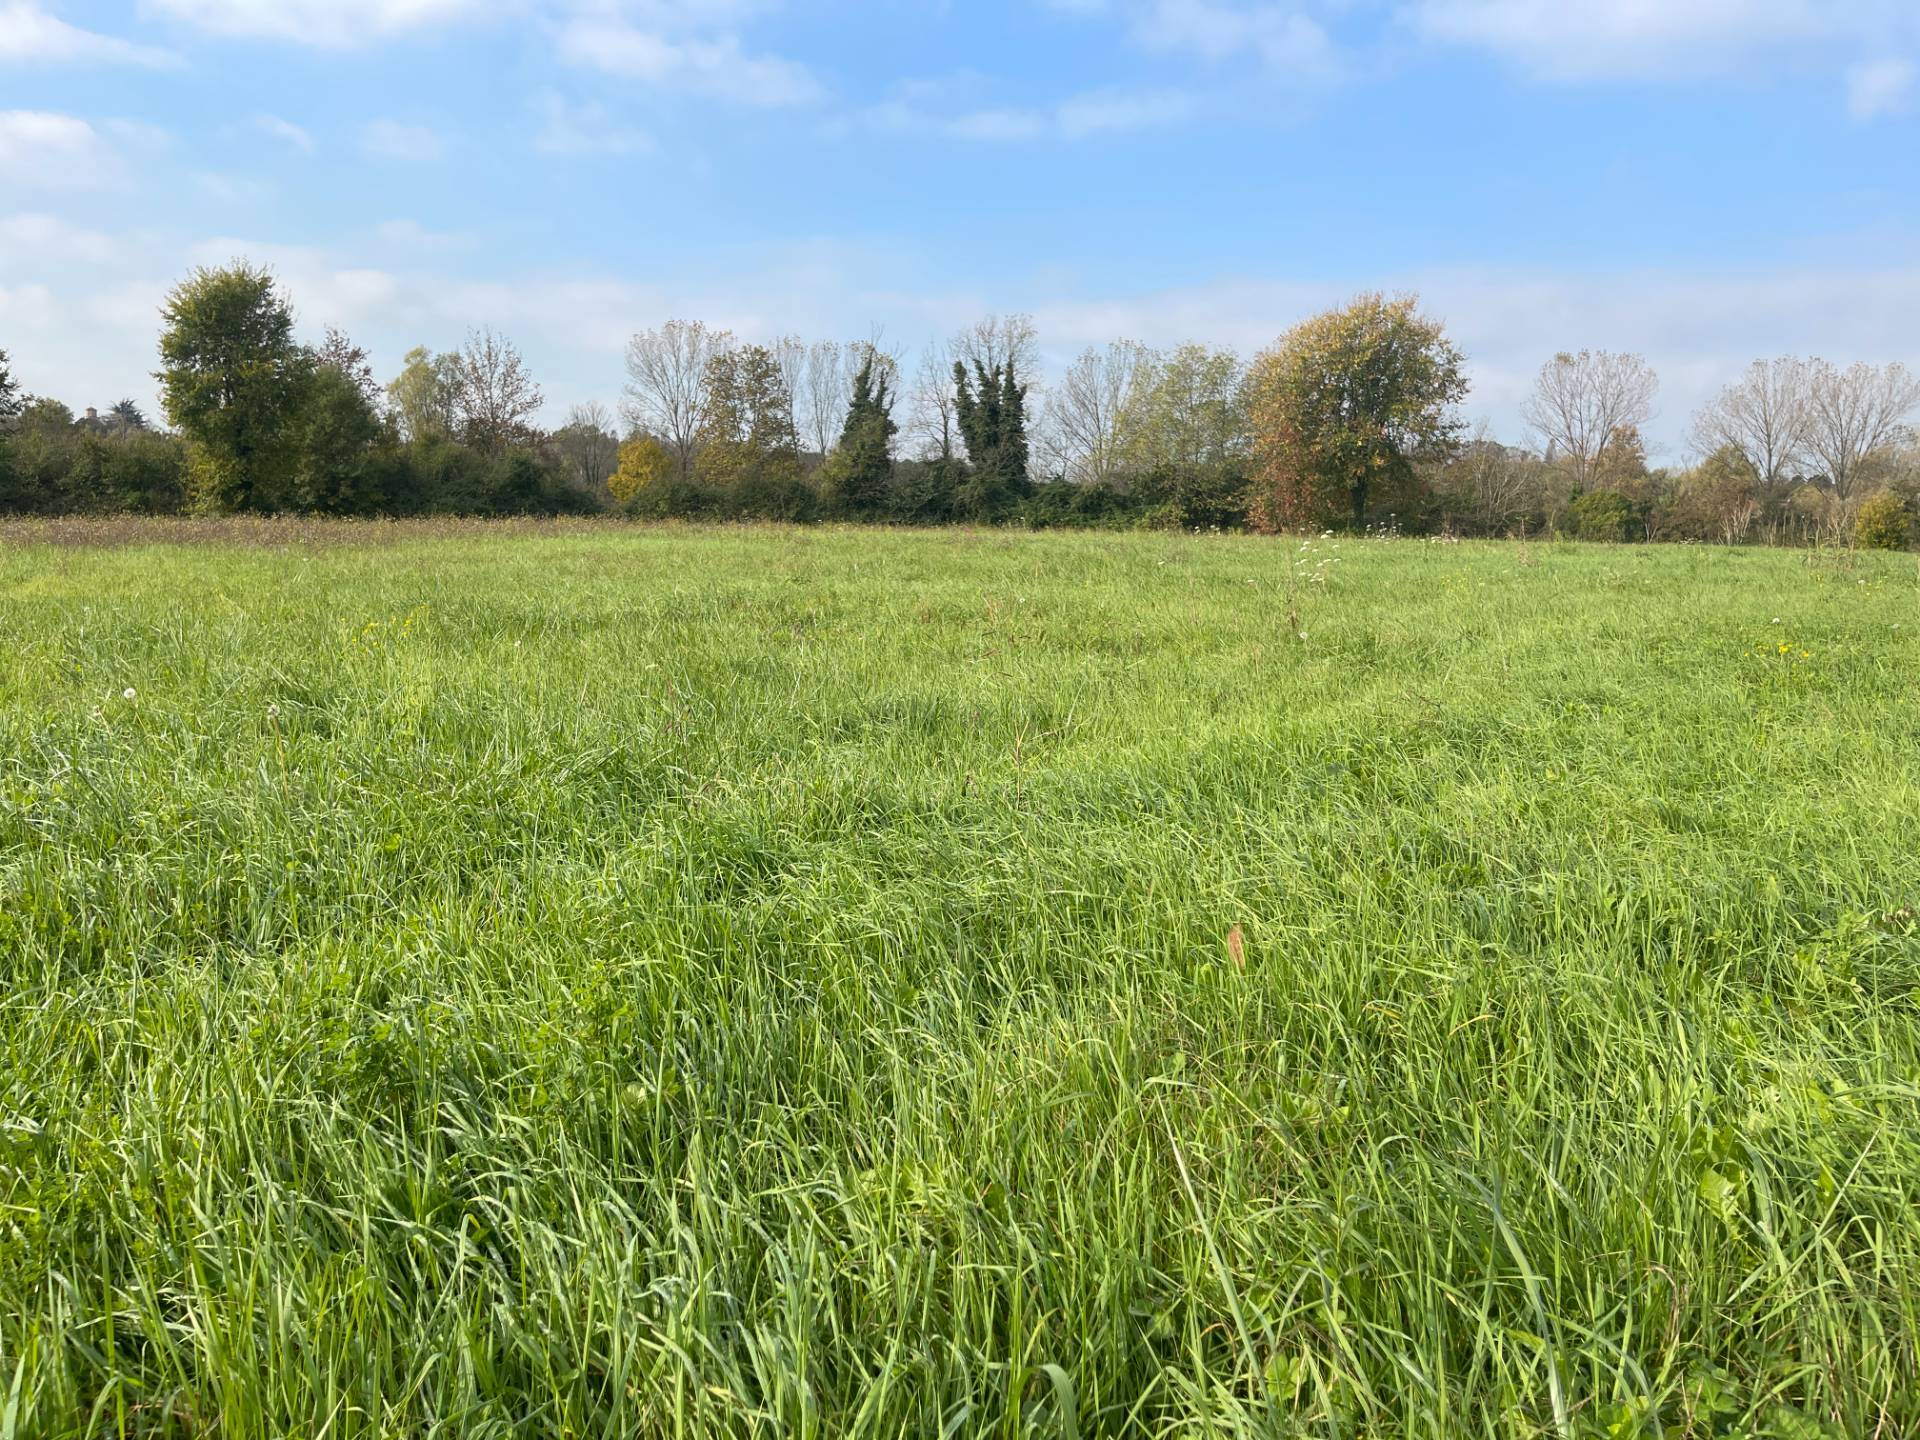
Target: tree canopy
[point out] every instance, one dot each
(1342, 408)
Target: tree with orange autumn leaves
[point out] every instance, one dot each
(1343, 407)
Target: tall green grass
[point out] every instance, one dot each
(697, 983)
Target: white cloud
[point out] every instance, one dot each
(1323, 42)
(411, 235)
(950, 107)
(1881, 88)
(1108, 112)
(710, 64)
(1283, 36)
(333, 23)
(1594, 39)
(35, 237)
(42, 148)
(586, 128)
(1289, 38)
(29, 32)
(285, 131)
(401, 140)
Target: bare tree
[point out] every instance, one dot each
(1086, 413)
(589, 444)
(1854, 414)
(666, 392)
(826, 381)
(1765, 415)
(932, 418)
(495, 396)
(996, 342)
(790, 354)
(1497, 482)
(1580, 402)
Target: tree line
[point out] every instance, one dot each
(1351, 420)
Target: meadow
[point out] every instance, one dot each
(596, 981)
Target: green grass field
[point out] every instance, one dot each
(602, 982)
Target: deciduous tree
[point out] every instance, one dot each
(1581, 400)
(748, 453)
(931, 418)
(823, 396)
(1345, 405)
(495, 397)
(233, 379)
(667, 374)
(588, 444)
(340, 354)
(1854, 414)
(1088, 411)
(1766, 416)
(423, 396)
(644, 466)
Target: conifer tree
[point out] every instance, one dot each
(857, 475)
(10, 402)
(991, 409)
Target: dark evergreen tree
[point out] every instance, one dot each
(991, 408)
(856, 477)
(10, 401)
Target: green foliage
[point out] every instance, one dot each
(643, 466)
(424, 394)
(1719, 499)
(748, 459)
(53, 465)
(1188, 415)
(990, 408)
(1343, 408)
(336, 469)
(1197, 496)
(926, 492)
(614, 982)
(1883, 523)
(233, 381)
(856, 478)
(10, 398)
(1604, 515)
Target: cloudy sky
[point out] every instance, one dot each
(1704, 181)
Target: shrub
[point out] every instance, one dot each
(1603, 515)
(1883, 523)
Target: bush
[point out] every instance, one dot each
(923, 491)
(1884, 523)
(1065, 505)
(1603, 515)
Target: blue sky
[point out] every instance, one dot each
(1703, 181)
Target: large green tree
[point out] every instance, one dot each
(1344, 406)
(233, 380)
(423, 395)
(337, 434)
(855, 478)
(991, 408)
(747, 455)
